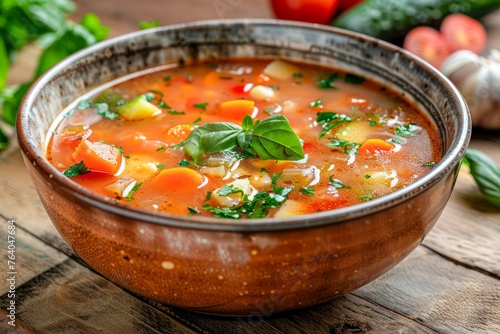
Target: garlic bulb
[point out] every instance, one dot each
(478, 79)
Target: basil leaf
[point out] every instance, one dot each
(274, 138)
(210, 138)
(486, 174)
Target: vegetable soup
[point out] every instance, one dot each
(243, 138)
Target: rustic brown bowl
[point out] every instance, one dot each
(243, 267)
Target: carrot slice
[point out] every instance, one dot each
(375, 147)
(178, 133)
(182, 179)
(236, 109)
(98, 157)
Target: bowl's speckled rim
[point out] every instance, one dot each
(447, 164)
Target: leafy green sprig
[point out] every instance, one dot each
(486, 174)
(270, 139)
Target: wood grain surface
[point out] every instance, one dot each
(449, 284)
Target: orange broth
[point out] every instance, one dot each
(378, 142)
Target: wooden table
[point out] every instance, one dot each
(449, 284)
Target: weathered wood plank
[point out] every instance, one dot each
(32, 256)
(69, 298)
(441, 295)
(18, 328)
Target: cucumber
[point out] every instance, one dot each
(390, 20)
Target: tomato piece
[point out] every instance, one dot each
(463, 32)
(347, 4)
(428, 44)
(314, 11)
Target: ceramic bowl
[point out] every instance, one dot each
(243, 267)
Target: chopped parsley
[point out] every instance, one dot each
(328, 82)
(337, 183)
(330, 120)
(76, 169)
(366, 198)
(193, 211)
(160, 166)
(130, 195)
(84, 104)
(372, 123)
(397, 140)
(298, 75)
(119, 148)
(264, 170)
(405, 130)
(149, 96)
(229, 189)
(163, 105)
(268, 110)
(348, 147)
(202, 106)
(317, 103)
(102, 109)
(175, 112)
(367, 176)
(274, 179)
(156, 92)
(184, 163)
(161, 148)
(428, 164)
(307, 191)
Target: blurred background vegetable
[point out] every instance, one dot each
(46, 23)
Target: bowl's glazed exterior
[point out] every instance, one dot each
(243, 267)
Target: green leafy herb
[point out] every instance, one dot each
(317, 103)
(428, 164)
(486, 174)
(163, 105)
(366, 198)
(367, 176)
(353, 79)
(328, 82)
(269, 139)
(397, 140)
(161, 148)
(337, 183)
(268, 111)
(184, 163)
(208, 196)
(84, 104)
(274, 179)
(102, 109)
(372, 123)
(277, 87)
(202, 106)
(149, 96)
(298, 75)
(405, 130)
(307, 191)
(330, 120)
(257, 207)
(119, 148)
(264, 170)
(229, 189)
(347, 147)
(76, 169)
(175, 112)
(130, 195)
(160, 166)
(193, 211)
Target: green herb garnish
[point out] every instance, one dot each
(337, 183)
(130, 195)
(76, 169)
(202, 106)
(102, 109)
(397, 140)
(161, 148)
(309, 191)
(184, 163)
(317, 103)
(428, 164)
(348, 147)
(193, 211)
(366, 198)
(330, 120)
(405, 130)
(84, 104)
(270, 139)
(372, 123)
(328, 82)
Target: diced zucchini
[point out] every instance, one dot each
(138, 108)
(281, 70)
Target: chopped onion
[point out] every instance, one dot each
(278, 69)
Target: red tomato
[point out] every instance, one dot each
(428, 44)
(463, 32)
(314, 11)
(347, 4)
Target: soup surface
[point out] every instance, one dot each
(243, 138)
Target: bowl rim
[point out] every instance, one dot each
(448, 162)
